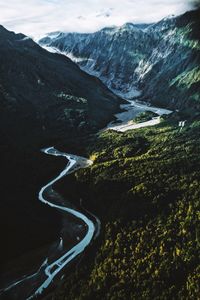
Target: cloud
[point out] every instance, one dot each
(37, 17)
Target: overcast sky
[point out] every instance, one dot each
(36, 17)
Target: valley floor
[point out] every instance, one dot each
(142, 187)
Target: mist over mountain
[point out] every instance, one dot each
(153, 58)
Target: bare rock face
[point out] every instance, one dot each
(154, 57)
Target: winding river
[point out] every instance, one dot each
(48, 270)
(52, 269)
(75, 162)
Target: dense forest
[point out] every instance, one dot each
(144, 186)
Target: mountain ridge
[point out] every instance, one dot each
(45, 100)
(125, 59)
(42, 79)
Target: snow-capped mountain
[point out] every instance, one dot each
(108, 53)
(152, 57)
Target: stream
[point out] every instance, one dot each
(48, 270)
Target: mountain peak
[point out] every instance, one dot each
(169, 17)
(2, 28)
(129, 26)
(125, 27)
(109, 29)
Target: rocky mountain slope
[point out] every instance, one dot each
(47, 91)
(154, 58)
(45, 99)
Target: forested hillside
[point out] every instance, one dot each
(144, 186)
(45, 98)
